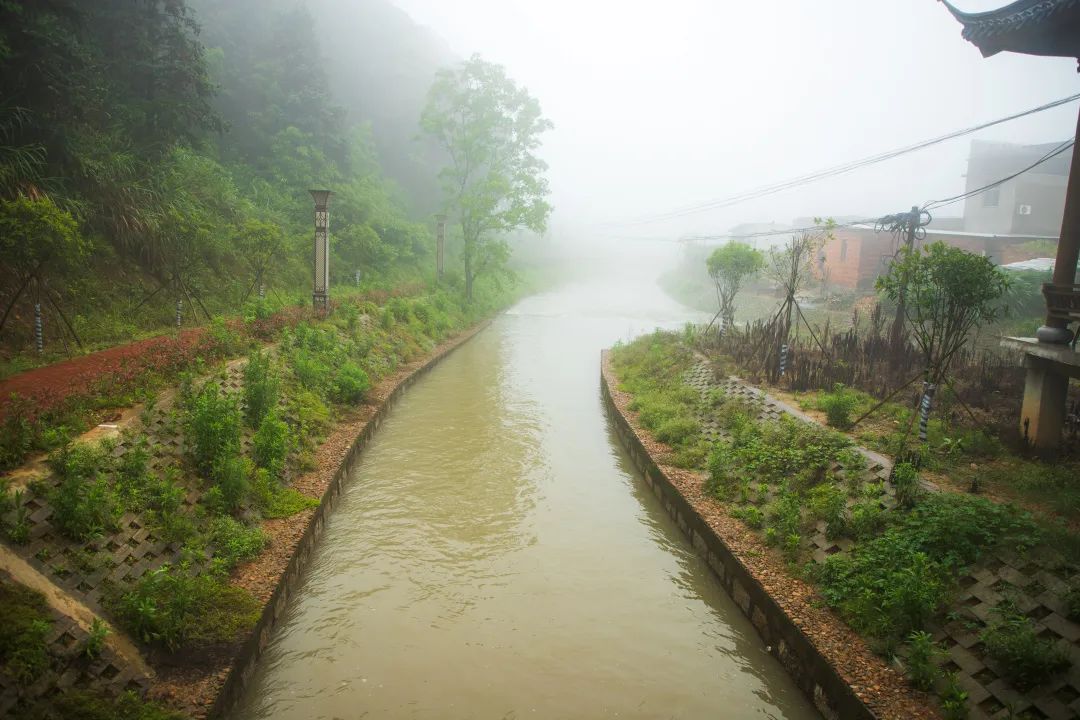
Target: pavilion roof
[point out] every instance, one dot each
(1031, 27)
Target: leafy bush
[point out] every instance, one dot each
(231, 483)
(838, 406)
(95, 639)
(886, 588)
(1026, 658)
(677, 430)
(867, 519)
(750, 515)
(261, 388)
(275, 501)
(923, 655)
(954, 699)
(350, 384)
(212, 426)
(828, 502)
(234, 542)
(905, 479)
(89, 705)
(892, 584)
(24, 654)
(271, 444)
(181, 607)
(84, 504)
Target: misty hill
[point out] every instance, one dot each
(380, 64)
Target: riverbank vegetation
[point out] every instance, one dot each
(898, 559)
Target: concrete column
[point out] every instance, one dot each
(1042, 416)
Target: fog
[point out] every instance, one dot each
(662, 105)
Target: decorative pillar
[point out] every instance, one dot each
(1056, 330)
(320, 294)
(440, 242)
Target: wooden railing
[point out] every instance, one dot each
(1062, 301)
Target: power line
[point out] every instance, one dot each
(841, 169)
(930, 205)
(933, 204)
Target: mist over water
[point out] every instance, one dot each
(495, 554)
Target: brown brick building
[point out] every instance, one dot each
(856, 255)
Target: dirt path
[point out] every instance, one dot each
(21, 571)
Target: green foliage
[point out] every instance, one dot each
(838, 406)
(730, 266)
(38, 238)
(233, 542)
(677, 430)
(271, 444)
(892, 584)
(828, 502)
(905, 479)
(261, 388)
(231, 484)
(95, 638)
(183, 607)
(212, 426)
(89, 705)
(948, 293)
(954, 699)
(1026, 658)
(23, 651)
(922, 659)
(490, 128)
(350, 384)
(275, 501)
(84, 503)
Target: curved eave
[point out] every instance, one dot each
(1031, 27)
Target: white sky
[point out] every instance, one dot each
(658, 105)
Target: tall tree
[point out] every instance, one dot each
(495, 183)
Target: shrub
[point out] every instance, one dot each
(838, 406)
(270, 444)
(231, 483)
(84, 505)
(310, 370)
(867, 519)
(923, 655)
(212, 426)
(905, 479)
(24, 653)
(750, 515)
(954, 699)
(261, 388)
(234, 542)
(350, 384)
(785, 514)
(1072, 600)
(828, 502)
(19, 532)
(677, 430)
(885, 588)
(95, 639)
(180, 607)
(89, 705)
(1026, 658)
(275, 501)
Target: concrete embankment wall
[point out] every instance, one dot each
(832, 696)
(248, 657)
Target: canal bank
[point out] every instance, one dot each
(493, 553)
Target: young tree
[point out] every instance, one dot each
(729, 266)
(792, 266)
(490, 128)
(37, 239)
(950, 292)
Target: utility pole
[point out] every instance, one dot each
(910, 223)
(440, 241)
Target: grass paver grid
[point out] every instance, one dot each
(1036, 582)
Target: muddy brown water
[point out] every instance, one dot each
(496, 555)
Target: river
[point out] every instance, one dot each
(495, 554)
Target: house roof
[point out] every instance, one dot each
(1031, 27)
(931, 231)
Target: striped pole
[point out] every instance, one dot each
(924, 410)
(179, 316)
(262, 291)
(783, 359)
(39, 329)
(721, 328)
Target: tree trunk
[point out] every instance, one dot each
(468, 277)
